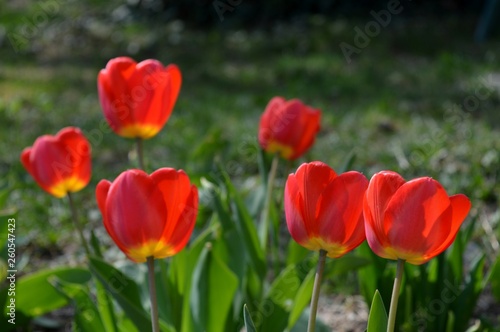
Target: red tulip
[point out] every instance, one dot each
(60, 163)
(138, 98)
(324, 210)
(413, 221)
(149, 215)
(288, 127)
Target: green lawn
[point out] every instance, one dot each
(421, 99)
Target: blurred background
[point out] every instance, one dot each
(411, 86)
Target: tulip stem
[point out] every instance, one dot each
(315, 295)
(74, 218)
(391, 323)
(265, 220)
(152, 294)
(140, 154)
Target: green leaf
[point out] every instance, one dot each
(494, 279)
(295, 253)
(124, 290)
(302, 298)
(249, 325)
(374, 275)
(377, 318)
(246, 229)
(222, 284)
(87, 317)
(183, 269)
(94, 243)
(454, 259)
(168, 299)
(279, 302)
(47, 298)
(464, 306)
(231, 250)
(212, 291)
(223, 213)
(106, 308)
(450, 322)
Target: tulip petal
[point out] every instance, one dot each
(102, 190)
(340, 220)
(114, 92)
(381, 188)
(145, 112)
(115, 105)
(78, 155)
(186, 222)
(60, 163)
(324, 211)
(310, 126)
(175, 187)
(136, 213)
(101, 193)
(26, 160)
(288, 128)
(312, 179)
(460, 206)
(173, 88)
(137, 99)
(293, 202)
(376, 240)
(412, 213)
(268, 119)
(181, 199)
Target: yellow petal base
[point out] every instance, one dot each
(284, 150)
(153, 248)
(143, 131)
(333, 250)
(72, 184)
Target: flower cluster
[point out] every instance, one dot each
(152, 215)
(145, 215)
(413, 221)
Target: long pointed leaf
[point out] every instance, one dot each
(126, 292)
(247, 230)
(249, 325)
(302, 298)
(87, 317)
(377, 319)
(494, 279)
(212, 291)
(47, 298)
(466, 301)
(279, 301)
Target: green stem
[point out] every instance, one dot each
(265, 220)
(315, 295)
(395, 296)
(152, 294)
(74, 218)
(140, 154)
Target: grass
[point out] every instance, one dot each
(401, 104)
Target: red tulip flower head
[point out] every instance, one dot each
(60, 163)
(324, 210)
(138, 98)
(413, 221)
(288, 127)
(149, 215)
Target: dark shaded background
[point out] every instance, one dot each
(263, 13)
